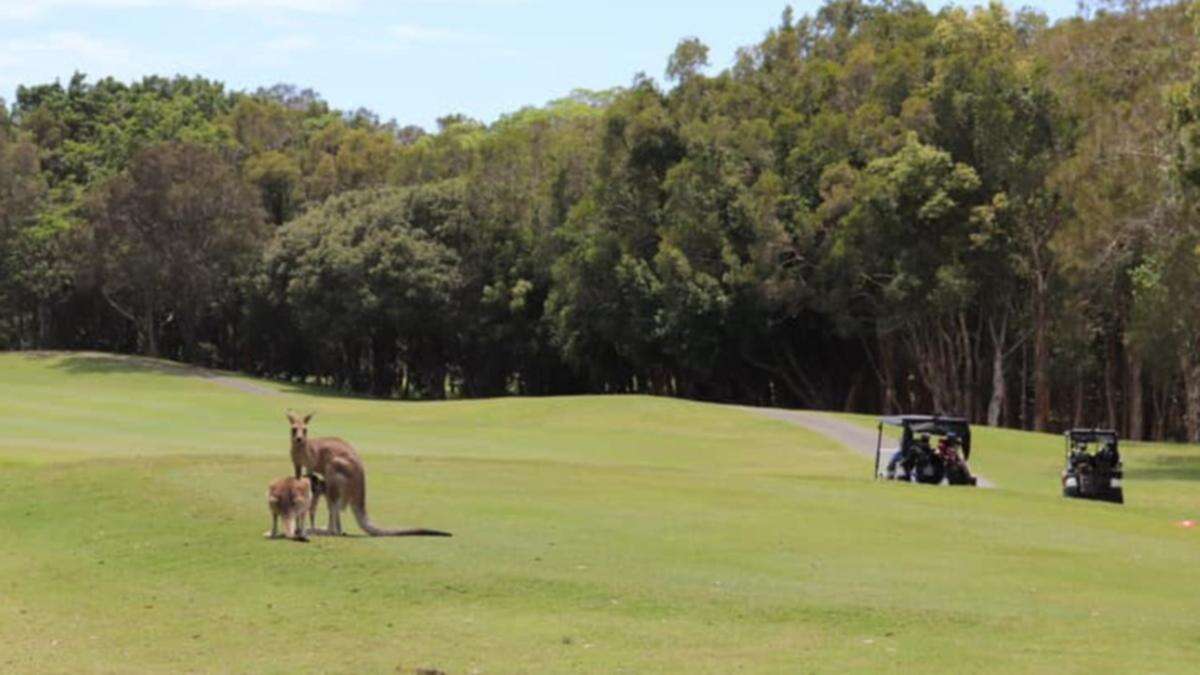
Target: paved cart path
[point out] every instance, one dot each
(854, 437)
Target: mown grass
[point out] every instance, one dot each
(592, 534)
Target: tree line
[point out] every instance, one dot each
(876, 208)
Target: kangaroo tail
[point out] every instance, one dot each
(359, 506)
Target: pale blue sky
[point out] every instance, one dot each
(412, 60)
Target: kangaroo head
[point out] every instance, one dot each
(299, 427)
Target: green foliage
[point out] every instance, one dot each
(689, 57)
(900, 247)
(167, 237)
(1184, 103)
(87, 132)
(364, 272)
(877, 206)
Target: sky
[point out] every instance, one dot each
(408, 60)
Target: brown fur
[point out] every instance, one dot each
(345, 479)
(291, 499)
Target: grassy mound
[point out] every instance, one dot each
(597, 534)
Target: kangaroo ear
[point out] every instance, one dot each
(291, 417)
(308, 417)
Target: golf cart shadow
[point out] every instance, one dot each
(918, 460)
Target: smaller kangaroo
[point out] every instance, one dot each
(291, 499)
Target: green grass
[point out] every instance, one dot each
(592, 534)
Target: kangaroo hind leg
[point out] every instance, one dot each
(335, 500)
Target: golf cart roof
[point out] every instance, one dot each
(1091, 435)
(928, 423)
(935, 424)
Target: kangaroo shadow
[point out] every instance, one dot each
(1167, 467)
(323, 532)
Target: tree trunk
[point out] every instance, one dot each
(383, 365)
(1077, 416)
(435, 383)
(1041, 380)
(998, 406)
(187, 330)
(43, 319)
(1111, 384)
(1137, 414)
(1160, 396)
(999, 389)
(887, 374)
(851, 401)
(151, 330)
(966, 389)
(1023, 418)
(1191, 404)
(1041, 366)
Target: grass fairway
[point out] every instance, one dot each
(592, 534)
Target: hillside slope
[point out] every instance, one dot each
(592, 534)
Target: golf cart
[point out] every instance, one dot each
(1093, 469)
(917, 460)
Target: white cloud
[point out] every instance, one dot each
(310, 6)
(471, 3)
(290, 43)
(31, 9)
(60, 54)
(72, 45)
(413, 33)
(28, 9)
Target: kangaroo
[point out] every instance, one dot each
(292, 499)
(318, 491)
(345, 479)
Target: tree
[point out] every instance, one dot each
(875, 207)
(1169, 282)
(168, 237)
(689, 57)
(369, 291)
(898, 258)
(26, 269)
(1167, 315)
(277, 177)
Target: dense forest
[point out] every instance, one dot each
(877, 208)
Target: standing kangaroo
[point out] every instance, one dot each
(345, 479)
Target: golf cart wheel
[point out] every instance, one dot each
(931, 473)
(958, 475)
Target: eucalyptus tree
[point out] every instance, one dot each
(167, 238)
(26, 271)
(900, 252)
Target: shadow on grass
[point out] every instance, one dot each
(309, 389)
(103, 364)
(107, 364)
(1167, 467)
